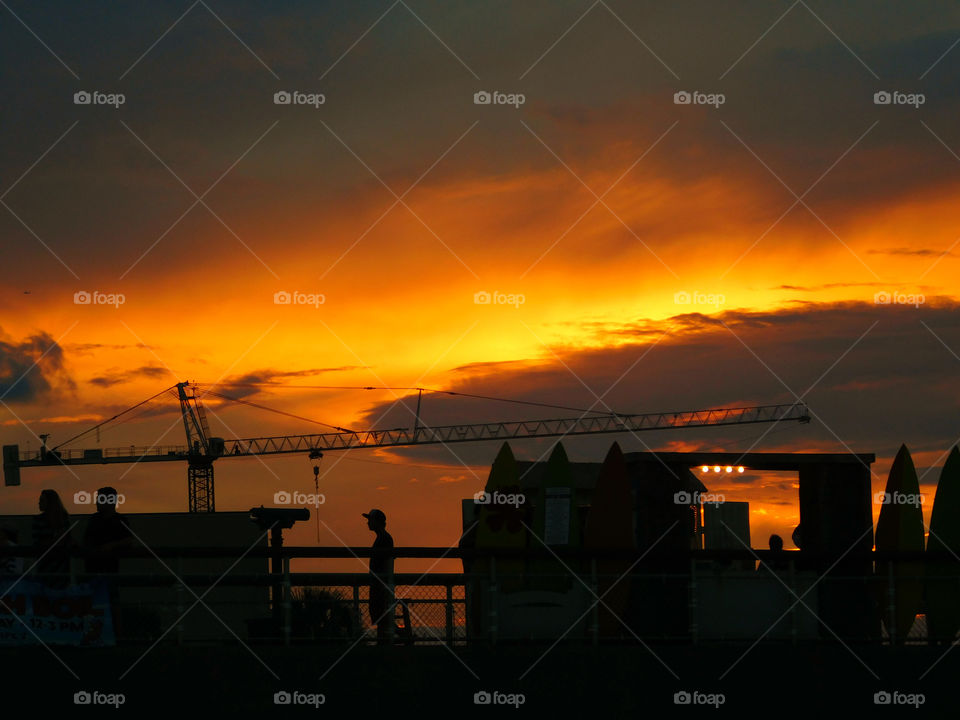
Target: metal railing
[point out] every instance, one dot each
(693, 597)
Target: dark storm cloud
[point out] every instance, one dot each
(199, 99)
(873, 376)
(30, 368)
(239, 386)
(116, 377)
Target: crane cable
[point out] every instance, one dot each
(279, 412)
(418, 389)
(101, 424)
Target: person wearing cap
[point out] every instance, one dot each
(381, 582)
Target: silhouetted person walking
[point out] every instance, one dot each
(381, 577)
(51, 533)
(108, 531)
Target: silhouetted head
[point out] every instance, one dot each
(376, 519)
(9, 535)
(52, 508)
(776, 543)
(106, 500)
(797, 537)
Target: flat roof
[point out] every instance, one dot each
(754, 461)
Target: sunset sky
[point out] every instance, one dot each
(656, 255)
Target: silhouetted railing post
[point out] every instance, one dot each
(286, 601)
(594, 629)
(180, 600)
(891, 605)
(692, 602)
(449, 615)
(493, 600)
(794, 621)
(391, 610)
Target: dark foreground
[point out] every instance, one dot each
(774, 681)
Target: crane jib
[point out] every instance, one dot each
(398, 437)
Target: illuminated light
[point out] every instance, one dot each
(729, 469)
(716, 468)
(740, 469)
(705, 468)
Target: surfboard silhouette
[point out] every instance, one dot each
(501, 525)
(943, 568)
(609, 527)
(900, 528)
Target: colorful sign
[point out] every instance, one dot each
(32, 613)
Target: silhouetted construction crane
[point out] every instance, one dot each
(202, 449)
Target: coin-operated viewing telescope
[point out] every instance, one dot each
(276, 520)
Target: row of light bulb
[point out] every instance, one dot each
(716, 468)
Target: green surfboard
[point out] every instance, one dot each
(609, 527)
(900, 528)
(501, 524)
(943, 568)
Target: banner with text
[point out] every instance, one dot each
(32, 613)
